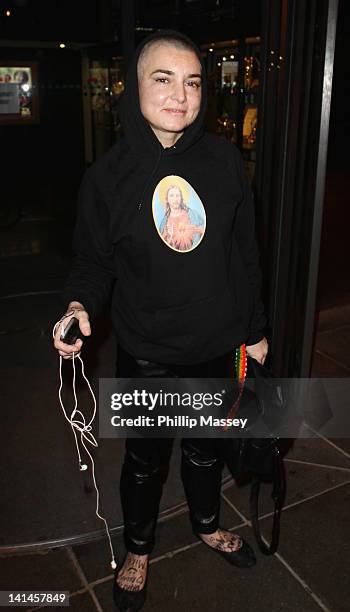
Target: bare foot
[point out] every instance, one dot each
(222, 540)
(132, 575)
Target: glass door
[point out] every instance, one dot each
(233, 89)
(103, 84)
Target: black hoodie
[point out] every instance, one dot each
(187, 285)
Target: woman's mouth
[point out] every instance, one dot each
(175, 111)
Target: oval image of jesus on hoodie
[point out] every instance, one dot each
(178, 214)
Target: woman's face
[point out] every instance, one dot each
(169, 90)
(174, 198)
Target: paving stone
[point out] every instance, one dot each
(198, 579)
(103, 593)
(95, 557)
(77, 603)
(302, 481)
(336, 344)
(50, 571)
(315, 542)
(344, 444)
(332, 318)
(323, 366)
(317, 450)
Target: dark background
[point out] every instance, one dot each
(42, 164)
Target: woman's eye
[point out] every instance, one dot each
(162, 80)
(194, 84)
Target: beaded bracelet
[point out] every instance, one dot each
(241, 373)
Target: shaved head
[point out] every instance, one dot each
(170, 41)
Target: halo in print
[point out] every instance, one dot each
(178, 214)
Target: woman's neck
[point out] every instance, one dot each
(167, 139)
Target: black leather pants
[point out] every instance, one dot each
(146, 462)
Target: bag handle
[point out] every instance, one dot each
(277, 495)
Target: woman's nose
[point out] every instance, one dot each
(179, 92)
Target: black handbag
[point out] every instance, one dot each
(261, 456)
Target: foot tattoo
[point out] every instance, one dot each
(132, 575)
(222, 540)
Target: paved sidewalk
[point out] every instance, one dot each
(309, 572)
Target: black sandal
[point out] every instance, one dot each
(243, 557)
(129, 601)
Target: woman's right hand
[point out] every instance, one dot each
(66, 350)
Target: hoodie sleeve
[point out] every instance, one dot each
(244, 231)
(92, 272)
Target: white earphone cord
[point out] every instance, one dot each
(83, 427)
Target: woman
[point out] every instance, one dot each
(214, 285)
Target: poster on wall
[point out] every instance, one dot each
(9, 99)
(18, 93)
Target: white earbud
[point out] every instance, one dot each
(83, 467)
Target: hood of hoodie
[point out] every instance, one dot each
(137, 130)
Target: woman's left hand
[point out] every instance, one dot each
(258, 351)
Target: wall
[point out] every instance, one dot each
(43, 164)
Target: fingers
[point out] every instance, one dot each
(84, 323)
(81, 314)
(258, 351)
(66, 351)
